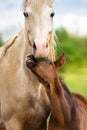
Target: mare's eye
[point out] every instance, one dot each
(25, 14)
(52, 15)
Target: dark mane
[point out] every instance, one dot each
(65, 87)
(81, 98)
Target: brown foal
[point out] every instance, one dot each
(69, 110)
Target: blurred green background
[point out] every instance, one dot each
(74, 71)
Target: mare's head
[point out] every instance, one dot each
(44, 69)
(39, 25)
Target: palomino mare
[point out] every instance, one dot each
(69, 110)
(24, 102)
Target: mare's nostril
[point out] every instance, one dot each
(47, 45)
(34, 46)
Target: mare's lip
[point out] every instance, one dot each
(36, 59)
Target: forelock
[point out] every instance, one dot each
(38, 3)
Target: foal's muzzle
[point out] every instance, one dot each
(31, 61)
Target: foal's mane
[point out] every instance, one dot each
(81, 98)
(65, 87)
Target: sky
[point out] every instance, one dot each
(70, 14)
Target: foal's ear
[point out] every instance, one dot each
(60, 61)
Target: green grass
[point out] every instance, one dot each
(76, 80)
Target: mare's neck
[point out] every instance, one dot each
(14, 54)
(19, 49)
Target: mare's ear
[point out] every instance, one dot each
(60, 61)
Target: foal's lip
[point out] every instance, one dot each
(30, 64)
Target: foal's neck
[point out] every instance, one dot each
(61, 108)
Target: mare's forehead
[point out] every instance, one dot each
(37, 5)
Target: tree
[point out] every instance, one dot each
(73, 46)
(1, 41)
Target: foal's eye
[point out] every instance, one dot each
(25, 14)
(52, 15)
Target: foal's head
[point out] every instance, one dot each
(44, 69)
(39, 25)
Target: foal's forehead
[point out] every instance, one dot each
(44, 60)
